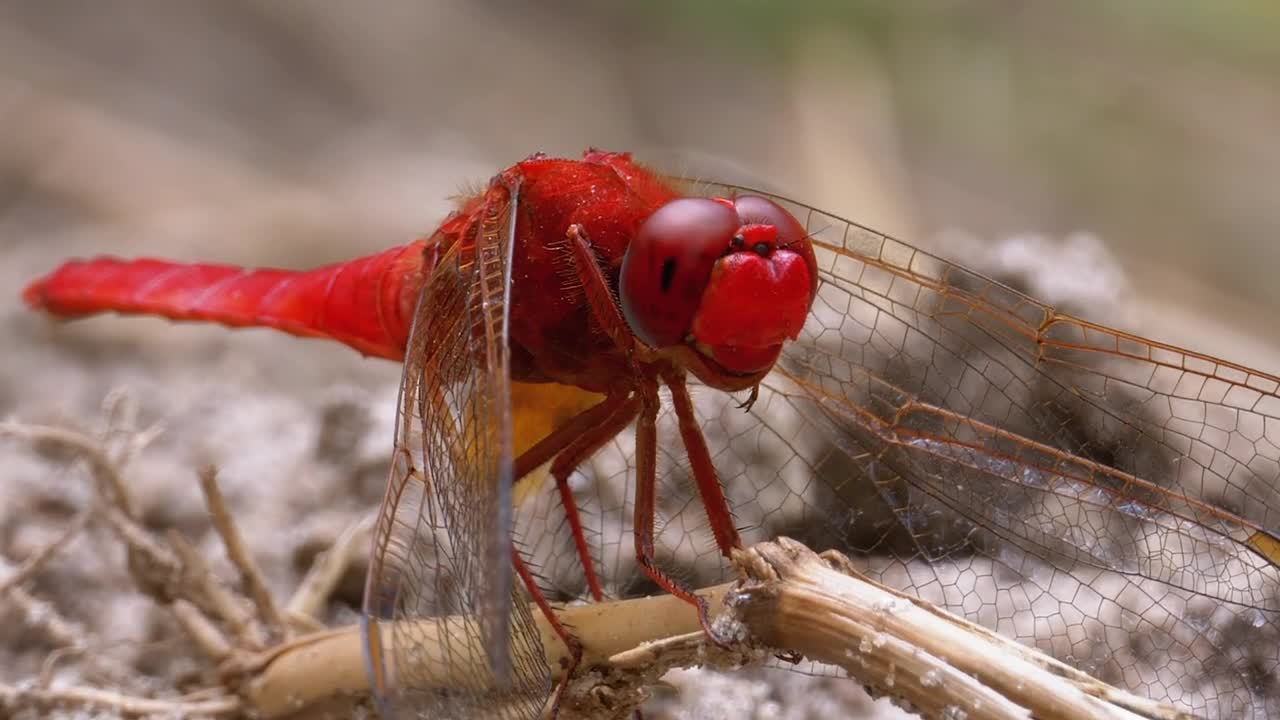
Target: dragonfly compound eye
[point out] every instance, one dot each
(738, 275)
(668, 264)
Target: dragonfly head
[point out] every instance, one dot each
(721, 282)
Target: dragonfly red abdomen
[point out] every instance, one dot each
(366, 303)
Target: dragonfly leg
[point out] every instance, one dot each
(646, 506)
(570, 445)
(566, 462)
(600, 300)
(607, 314)
(553, 444)
(571, 643)
(704, 471)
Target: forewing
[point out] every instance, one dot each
(1068, 484)
(443, 539)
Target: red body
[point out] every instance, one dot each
(368, 303)
(981, 425)
(551, 331)
(617, 285)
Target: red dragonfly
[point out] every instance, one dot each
(574, 335)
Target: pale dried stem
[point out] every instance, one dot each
(789, 599)
(211, 641)
(1086, 683)
(119, 415)
(153, 565)
(305, 625)
(95, 665)
(214, 598)
(933, 661)
(32, 564)
(120, 418)
(327, 570)
(172, 573)
(69, 636)
(616, 688)
(239, 555)
(327, 670)
(166, 573)
(13, 699)
(110, 482)
(50, 664)
(40, 614)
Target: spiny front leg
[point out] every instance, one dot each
(600, 301)
(609, 317)
(571, 444)
(646, 506)
(704, 470)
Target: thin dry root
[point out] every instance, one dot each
(168, 570)
(38, 613)
(239, 555)
(37, 560)
(326, 572)
(104, 470)
(15, 699)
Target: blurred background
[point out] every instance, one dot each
(1119, 158)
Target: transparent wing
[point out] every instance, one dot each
(1126, 489)
(1106, 498)
(447, 633)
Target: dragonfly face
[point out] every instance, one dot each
(722, 282)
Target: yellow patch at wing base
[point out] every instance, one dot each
(536, 410)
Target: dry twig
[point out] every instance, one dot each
(170, 572)
(42, 615)
(938, 664)
(37, 612)
(107, 474)
(202, 588)
(326, 571)
(250, 575)
(14, 699)
(32, 564)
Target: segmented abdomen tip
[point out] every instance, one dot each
(34, 295)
